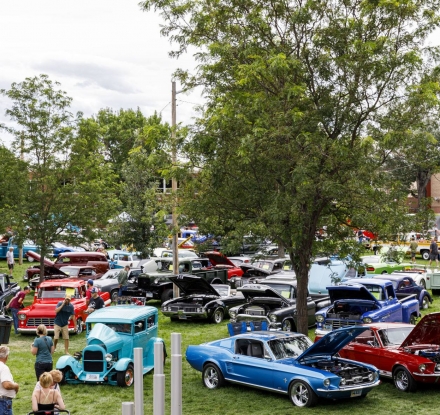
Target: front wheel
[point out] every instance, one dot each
(114, 296)
(403, 380)
(125, 378)
(166, 295)
(212, 376)
(422, 283)
(301, 394)
(217, 316)
(425, 255)
(287, 325)
(425, 302)
(67, 374)
(79, 326)
(30, 259)
(413, 319)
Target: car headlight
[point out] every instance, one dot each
(273, 318)
(422, 367)
(371, 377)
(108, 357)
(232, 314)
(326, 383)
(319, 318)
(367, 320)
(22, 316)
(343, 381)
(437, 367)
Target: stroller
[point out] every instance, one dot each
(55, 411)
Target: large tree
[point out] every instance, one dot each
(293, 93)
(67, 184)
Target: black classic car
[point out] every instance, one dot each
(200, 300)
(8, 290)
(275, 303)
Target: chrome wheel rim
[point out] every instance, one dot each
(300, 394)
(401, 380)
(211, 378)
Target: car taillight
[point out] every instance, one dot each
(370, 269)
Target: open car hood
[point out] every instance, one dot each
(332, 342)
(250, 268)
(217, 258)
(37, 257)
(259, 290)
(427, 331)
(350, 292)
(191, 284)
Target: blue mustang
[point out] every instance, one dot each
(287, 363)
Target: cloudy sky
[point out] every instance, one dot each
(105, 53)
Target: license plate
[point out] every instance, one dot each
(182, 317)
(92, 376)
(149, 295)
(354, 394)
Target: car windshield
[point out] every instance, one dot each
(110, 275)
(290, 347)
(222, 289)
(117, 327)
(57, 292)
(70, 271)
(284, 290)
(394, 336)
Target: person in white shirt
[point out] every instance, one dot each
(10, 260)
(8, 388)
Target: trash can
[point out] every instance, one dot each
(5, 328)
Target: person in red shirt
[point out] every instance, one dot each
(16, 304)
(89, 291)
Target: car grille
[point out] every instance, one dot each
(255, 311)
(93, 361)
(185, 309)
(34, 322)
(342, 323)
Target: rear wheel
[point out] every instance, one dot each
(413, 319)
(425, 255)
(125, 378)
(212, 376)
(422, 283)
(301, 394)
(403, 380)
(425, 302)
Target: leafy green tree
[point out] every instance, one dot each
(294, 91)
(117, 131)
(144, 228)
(66, 185)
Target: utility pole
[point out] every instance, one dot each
(174, 187)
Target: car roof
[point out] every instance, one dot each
(120, 313)
(66, 282)
(267, 335)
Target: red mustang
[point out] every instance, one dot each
(408, 354)
(49, 293)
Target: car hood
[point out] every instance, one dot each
(217, 258)
(50, 271)
(37, 257)
(250, 268)
(350, 292)
(193, 285)
(427, 331)
(332, 342)
(259, 290)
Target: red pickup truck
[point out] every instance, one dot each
(49, 293)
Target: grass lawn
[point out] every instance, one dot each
(198, 400)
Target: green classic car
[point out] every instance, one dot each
(377, 264)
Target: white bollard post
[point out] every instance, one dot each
(138, 381)
(127, 408)
(158, 381)
(176, 374)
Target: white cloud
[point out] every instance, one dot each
(105, 54)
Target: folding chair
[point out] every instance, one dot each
(237, 328)
(258, 325)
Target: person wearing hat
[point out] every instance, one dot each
(96, 302)
(88, 292)
(63, 311)
(16, 304)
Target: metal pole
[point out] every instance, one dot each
(138, 381)
(176, 374)
(127, 408)
(158, 381)
(174, 186)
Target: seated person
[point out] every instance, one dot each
(96, 302)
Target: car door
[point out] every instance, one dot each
(251, 370)
(364, 348)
